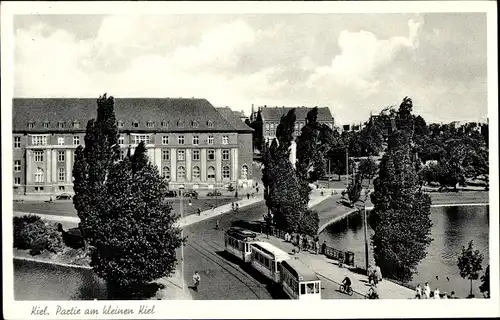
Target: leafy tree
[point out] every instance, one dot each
(285, 194)
(127, 224)
(314, 142)
(401, 215)
(257, 136)
(368, 169)
(469, 264)
(354, 190)
(485, 286)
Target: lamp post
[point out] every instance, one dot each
(181, 188)
(347, 166)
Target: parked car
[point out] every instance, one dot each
(214, 194)
(171, 194)
(63, 196)
(191, 193)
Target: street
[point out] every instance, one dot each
(223, 277)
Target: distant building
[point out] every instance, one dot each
(190, 142)
(271, 117)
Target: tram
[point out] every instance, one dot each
(267, 259)
(300, 282)
(237, 242)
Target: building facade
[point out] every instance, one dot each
(189, 141)
(271, 117)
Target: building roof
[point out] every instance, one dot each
(234, 118)
(272, 250)
(177, 114)
(275, 113)
(300, 270)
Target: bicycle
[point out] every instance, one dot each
(347, 290)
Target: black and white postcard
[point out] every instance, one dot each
(249, 159)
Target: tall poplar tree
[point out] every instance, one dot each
(127, 224)
(401, 215)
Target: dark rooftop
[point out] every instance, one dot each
(299, 269)
(234, 118)
(151, 114)
(275, 113)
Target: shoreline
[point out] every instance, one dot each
(442, 200)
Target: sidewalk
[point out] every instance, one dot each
(329, 269)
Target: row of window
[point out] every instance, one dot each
(266, 262)
(165, 140)
(196, 173)
(181, 154)
(42, 140)
(60, 124)
(165, 124)
(39, 175)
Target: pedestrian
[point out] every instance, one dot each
(257, 189)
(236, 194)
(217, 224)
(190, 203)
(316, 246)
(436, 294)
(370, 274)
(323, 247)
(445, 295)
(427, 291)
(378, 273)
(237, 206)
(418, 291)
(299, 241)
(305, 241)
(213, 208)
(199, 211)
(232, 206)
(196, 280)
(452, 295)
(248, 196)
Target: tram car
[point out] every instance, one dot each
(267, 259)
(299, 282)
(237, 242)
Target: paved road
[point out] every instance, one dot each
(223, 277)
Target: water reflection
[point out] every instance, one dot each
(453, 227)
(39, 281)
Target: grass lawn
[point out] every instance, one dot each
(66, 208)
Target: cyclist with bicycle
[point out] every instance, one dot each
(372, 293)
(347, 284)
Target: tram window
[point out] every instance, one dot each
(316, 286)
(302, 288)
(310, 288)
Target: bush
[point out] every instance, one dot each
(34, 234)
(19, 224)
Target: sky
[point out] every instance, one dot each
(352, 63)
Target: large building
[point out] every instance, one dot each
(190, 142)
(271, 117)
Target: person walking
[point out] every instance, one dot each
(418, 291)
(198, 211)
(232, 206)
(316, 246)
(378, 273)
(299, 241)
(436, 294)
(196, 281)
(427, 291)
(323, 247)
(248, 196)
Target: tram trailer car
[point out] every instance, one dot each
(237, 242)
(299, 282)
(267, 259)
